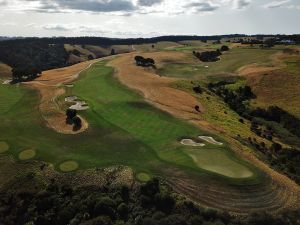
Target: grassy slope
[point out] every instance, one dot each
(5, 70)
(123, 129)
(230, 62)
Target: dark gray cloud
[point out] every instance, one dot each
(149, 2)
(86, 5)
(241, 4)
(202, 6)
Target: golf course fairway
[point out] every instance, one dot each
(123, 129)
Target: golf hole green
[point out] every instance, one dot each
(27, 154)
(143, 177)
(68, 166)
(3, 146)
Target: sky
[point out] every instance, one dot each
(147, 18)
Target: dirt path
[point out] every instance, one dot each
(49, 85)
(275, 194)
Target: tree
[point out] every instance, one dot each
(71, 113)
(224, 48)
(112, 52)
(276, 147)
(77, 122)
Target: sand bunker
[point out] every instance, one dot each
(190, 142)
(71, 99)
(3, 146)
(79, 105)
(7, 82)
(69, 85)
(68, 166)
(210, 140)
(27, 154)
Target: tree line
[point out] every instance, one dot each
(28, 60)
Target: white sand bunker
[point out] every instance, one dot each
(71, 99)
(7, 82)
(69, 85)
(79, 105)
(210, 140)
(190, 142)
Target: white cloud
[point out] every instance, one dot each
(276, 4)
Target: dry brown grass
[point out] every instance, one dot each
(275, 85)
(5, 70)
(156, 89)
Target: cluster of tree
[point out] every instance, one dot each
(235, 99)
(147, 204)
(72, 118)
(208, 56)
(145, 62)
(30, 58)
(278, 115)
(285, 160)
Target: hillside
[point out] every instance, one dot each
(215, 121)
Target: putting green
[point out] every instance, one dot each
(217, 161)
(143, 177)
(68, 166)
(3, 146)
(27, 154)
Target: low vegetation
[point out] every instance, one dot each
(145, 204)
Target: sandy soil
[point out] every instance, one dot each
(49, 85)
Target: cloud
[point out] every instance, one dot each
(3, 2)
(88, 5)
(149, 2)
(56, 27)
(276, 4)
(202, 6)
(241, 4)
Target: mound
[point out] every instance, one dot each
(190, 142)
(3, 146)
(27, 154)
(68, 166)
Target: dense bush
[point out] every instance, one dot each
(61, 204)
(145, 62)
(208, 56)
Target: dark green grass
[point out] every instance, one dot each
(123, 129)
